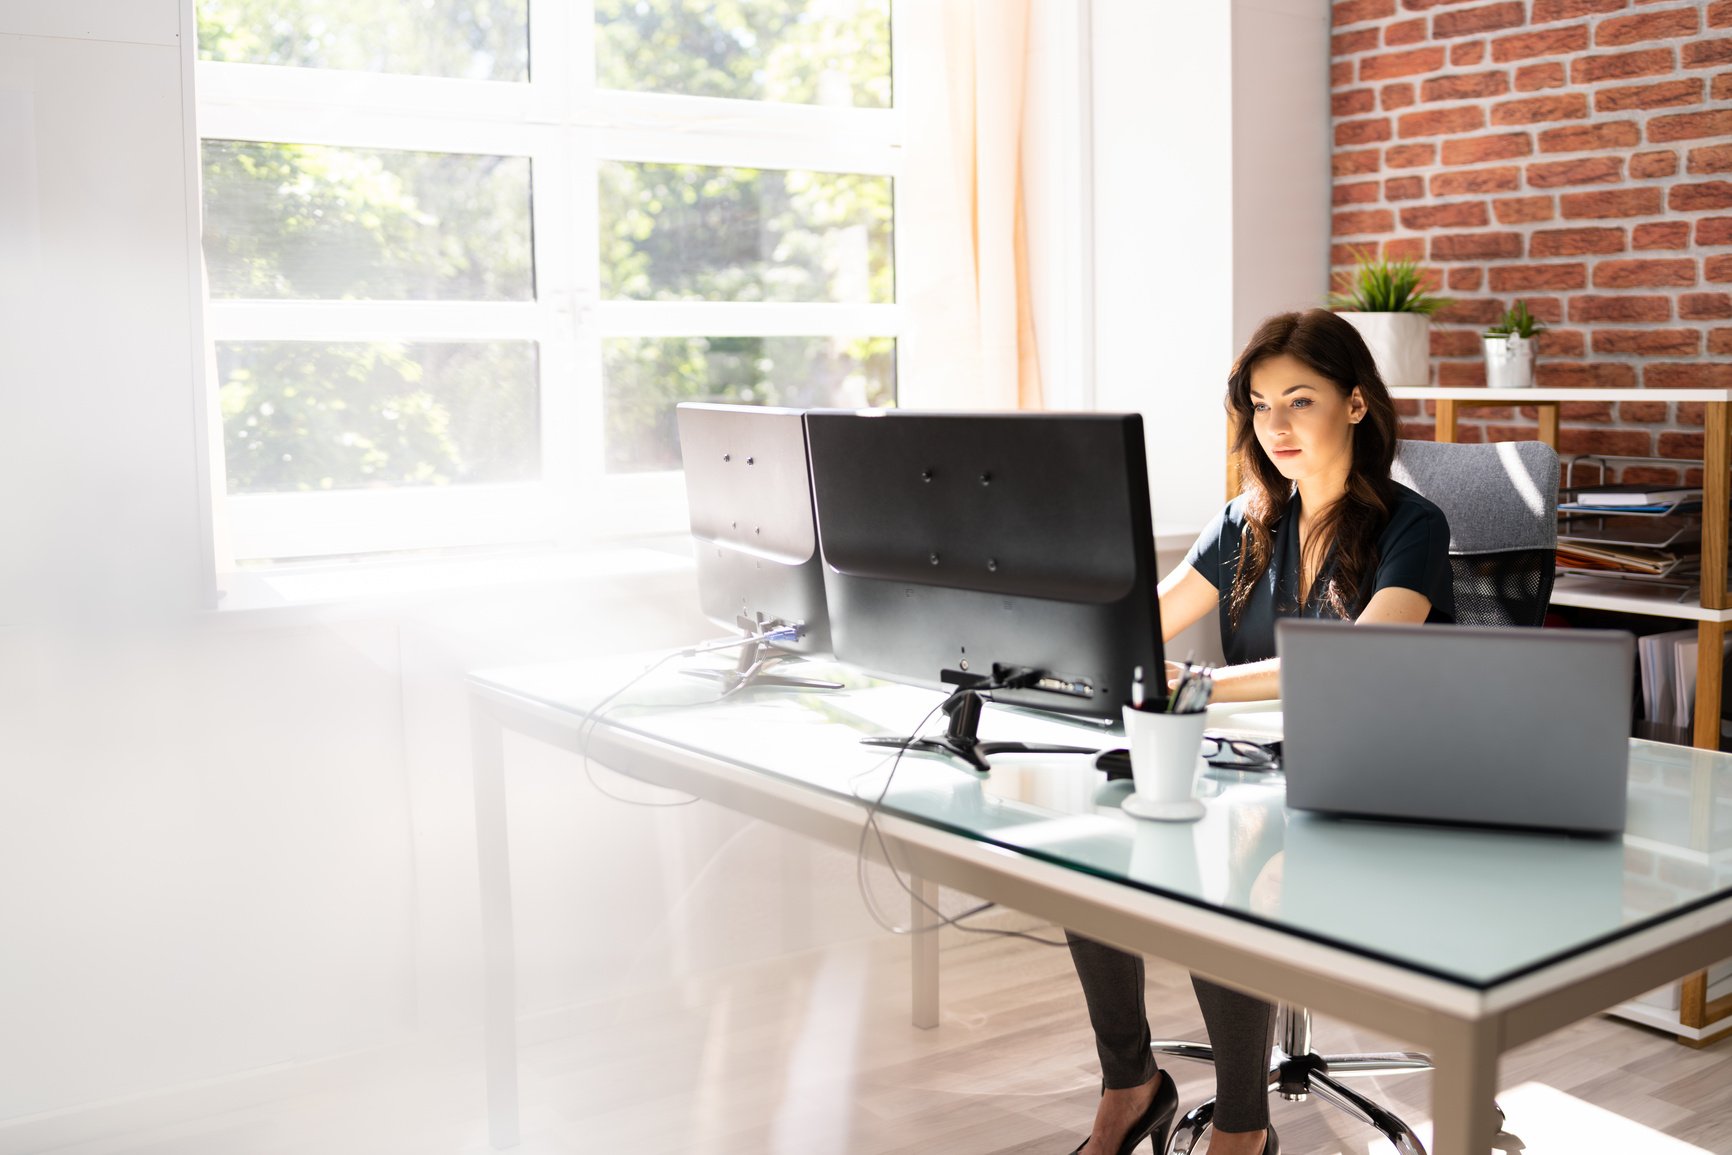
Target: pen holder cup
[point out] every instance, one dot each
(1166, 760)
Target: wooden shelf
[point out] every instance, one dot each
(1531, 396)
(1625, 597)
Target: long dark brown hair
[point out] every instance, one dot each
(1333, 349)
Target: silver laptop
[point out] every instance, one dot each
(1497, 727)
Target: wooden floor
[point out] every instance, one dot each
(814, 1055)
(818, 1056)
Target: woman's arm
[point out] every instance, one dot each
(1250, 682)
(1395, 606)
(1253, 681)
(1186, 596)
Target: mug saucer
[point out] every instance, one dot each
(1187, 810)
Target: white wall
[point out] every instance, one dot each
(1211, 187)
(1281, 159)
(100, 514)
(205, 863)
(1163, 222)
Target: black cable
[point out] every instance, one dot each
(592, 718)
(871, 826)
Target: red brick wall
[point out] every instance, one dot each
(1574, 154)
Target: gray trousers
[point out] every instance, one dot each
(1241, 1031)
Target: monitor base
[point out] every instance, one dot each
(961, 739)
(756, 656)
(732, 680)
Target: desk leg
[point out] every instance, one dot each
(924, 906)
(1693, 989)
(488, 754)
(1464, 1090)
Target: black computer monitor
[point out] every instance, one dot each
(1009, 555)
(750, 496)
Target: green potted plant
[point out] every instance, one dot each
(1389, 305)
(1509, 349)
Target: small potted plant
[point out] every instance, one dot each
(1387, 302)
(1509, 349)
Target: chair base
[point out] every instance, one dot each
(1296, 1077)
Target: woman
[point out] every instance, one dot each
(1320, 531)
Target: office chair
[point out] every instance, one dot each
(1502, 502)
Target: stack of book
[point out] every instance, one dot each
(1625, 499)
(1668, 668)
(1631, 530)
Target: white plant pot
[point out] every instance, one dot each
(1509, 362)
(1400, 343)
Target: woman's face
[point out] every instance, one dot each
(1303, 421)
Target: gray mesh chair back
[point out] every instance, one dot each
(1502, 504)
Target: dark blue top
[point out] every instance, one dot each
(1412, 553)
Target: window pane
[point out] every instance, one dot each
(830, 52)
(305, 415)
(647, 376)
(673, 232)
(467, 39)
(314, 222)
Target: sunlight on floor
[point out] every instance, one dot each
(1550, 1122)
(822, 1081)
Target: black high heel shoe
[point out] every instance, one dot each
(1156, 1122)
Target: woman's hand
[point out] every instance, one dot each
(1175, 671)
(1251, 682)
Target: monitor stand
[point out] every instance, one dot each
(961, 734)
(757, 656)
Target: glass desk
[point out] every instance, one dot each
(1465, 942)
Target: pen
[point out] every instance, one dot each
(1202, 690)
(1178, 693)
(1195, 687)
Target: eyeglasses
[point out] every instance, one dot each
(1241, 754)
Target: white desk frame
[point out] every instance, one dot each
(1464, 1029)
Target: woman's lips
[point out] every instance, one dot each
(1285, 452)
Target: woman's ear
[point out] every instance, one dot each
(1356, 407)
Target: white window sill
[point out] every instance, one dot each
(369, 587)
(321, 591)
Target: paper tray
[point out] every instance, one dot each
(1636, 532)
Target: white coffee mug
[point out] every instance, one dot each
(1166, 760)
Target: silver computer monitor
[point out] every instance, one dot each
(749, 491)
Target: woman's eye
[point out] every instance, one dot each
(1301, 402)
(1259, 407)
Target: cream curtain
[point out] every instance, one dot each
(963, 240)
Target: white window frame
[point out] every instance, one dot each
(567, 127)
